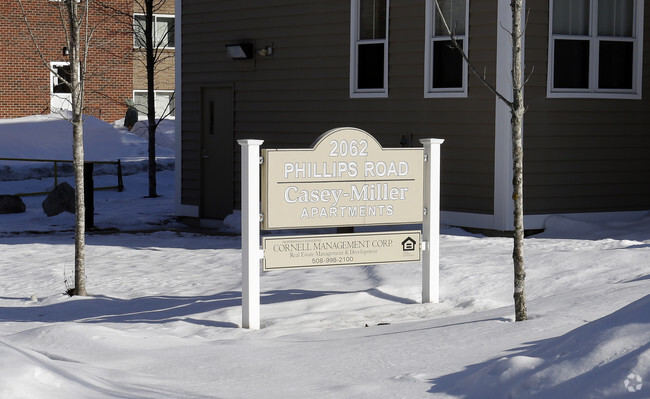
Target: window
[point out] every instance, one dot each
(445, 72)
(163, 31)
(595, 48)
(369, 48)
(61, 80)
(60, 90)
(165, 105)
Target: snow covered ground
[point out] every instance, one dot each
(163, 317)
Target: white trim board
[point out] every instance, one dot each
(503, 218)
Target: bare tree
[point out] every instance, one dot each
(155, 42)
(74, 18)
(151, 44)
(516, 106)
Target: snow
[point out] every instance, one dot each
(50, 137)
(165, 132)
(163, 317)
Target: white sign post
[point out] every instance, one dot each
(250, 232)
(431, 222)
(346, 179)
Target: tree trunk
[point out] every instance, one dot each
(76, 83)
(151, 96)
(518, 161)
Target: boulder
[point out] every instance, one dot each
(11, 204)
(59, 200)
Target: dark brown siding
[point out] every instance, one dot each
(582, 155)
(302, 91)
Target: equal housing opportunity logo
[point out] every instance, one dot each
(633, 382)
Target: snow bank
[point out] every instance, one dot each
(50, 137)
(601, 359)
(567, 227)
(165, 133)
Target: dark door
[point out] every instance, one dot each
(217, 138)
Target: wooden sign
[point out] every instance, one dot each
(346, 179)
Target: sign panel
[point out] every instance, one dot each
(291, 252)
(346, 179)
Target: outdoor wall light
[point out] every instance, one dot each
(65, 50)
(240, 51)
(266, 51)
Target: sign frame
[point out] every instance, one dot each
(252, 254)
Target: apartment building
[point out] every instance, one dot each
(35, 45)
(387, 67)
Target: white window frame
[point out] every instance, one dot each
(155, 93)
(59, 101)
(53, 77)
(429, 39)
(593, 91)
(155, 39)
(355, 92)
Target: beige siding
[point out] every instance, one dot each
(160, 7)
(164, 78)
(289, 99)
(164, 71)
(582, 155)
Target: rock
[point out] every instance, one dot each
(11, 204)
(59, 200)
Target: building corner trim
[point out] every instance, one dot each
(503, 206)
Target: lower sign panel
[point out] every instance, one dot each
(293, 252)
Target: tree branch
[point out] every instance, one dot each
(466, 58)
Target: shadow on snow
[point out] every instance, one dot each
(561, 367)
(157, 309)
